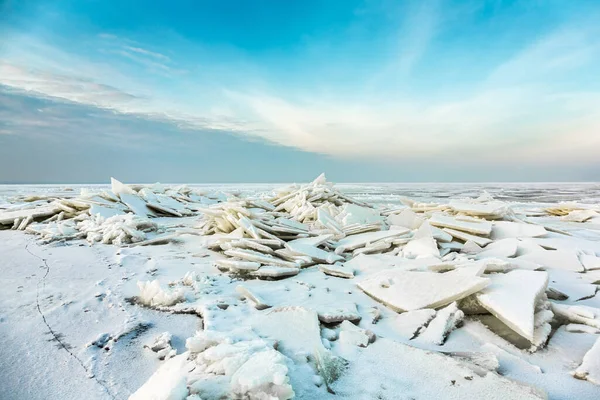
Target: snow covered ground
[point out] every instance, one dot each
(377, 291)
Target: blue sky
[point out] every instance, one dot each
(226, 91)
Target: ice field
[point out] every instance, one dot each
(308, 291)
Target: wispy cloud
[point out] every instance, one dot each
(519, 110)
(562, 51)
(145, 52)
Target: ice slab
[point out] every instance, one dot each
(314, 252)
(494, 209)
(580, 215)
(445, 321)
(482, 227)
(575, 290)
(409, 324)
(590, 366)
(565, 259)
(406, 218)
(512, 298)
(251, 255)
(162, 209)
(336, 312)
(422, 245)
(167, 383)
(590, 262)
(354, 214)
(501, 248)
(577, 314)
(411, 290)
(353, 335)
(440, 235)
(438, 377)
(263, 376)
(297, 332)
(312, 241)
(480, 241)
(136, 204)
(471, 248)
(273, 271)
(337, 270)
(8, 217)
(255, 298)
(236, 365)
(507, 229)
(238, 265)
(120, 188)
(355, 241)
(510, 361)
(104, 212)
(580, 328)
(592, 276)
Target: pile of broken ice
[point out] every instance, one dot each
(434, 264)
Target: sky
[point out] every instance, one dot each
(279, 91)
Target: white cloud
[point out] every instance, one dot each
(516, 113)
(145, 52)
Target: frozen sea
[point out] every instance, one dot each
(58, 300)
(382, 193)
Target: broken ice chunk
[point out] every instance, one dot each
(507, 229)
(355, 241)
(161, 341)
(406, 218)
(314, 252)
(501, 248)
(167, 383)
(422, 245)
(471, 247)
(273, 271)
(491, 209)
(512, 298)
(476, 227)
(354, 214)
(162, 346)
(119, 188)
(328, 222)
(312, 241)
(577, 314)
(238, 265)
(412, 290)
(251, 255)
(445, 321)
(468, 237)
(409, 324)
(590, 262)
(104, 212)
(574, 290)
(337, 270)
(338, 312)
(151, 294)
(352, 334)
(580, 328)
(136, 204)
(258, 301)
(580, 215)
(559, 259)
(262, 376)
(590, 366)
(296, 329)
(447, 377)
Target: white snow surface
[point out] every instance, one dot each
(235, 286)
